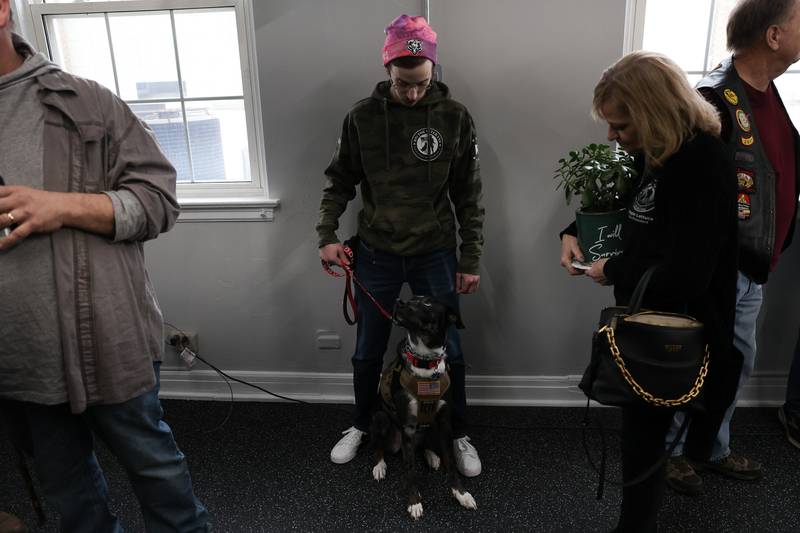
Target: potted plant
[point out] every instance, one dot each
(601, 177)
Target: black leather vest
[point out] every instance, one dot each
(756, 177)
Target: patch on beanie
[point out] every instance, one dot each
(414, 46)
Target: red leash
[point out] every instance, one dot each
(348, 289)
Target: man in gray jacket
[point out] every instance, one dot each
(85, 185)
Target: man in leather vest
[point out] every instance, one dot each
(764, 36)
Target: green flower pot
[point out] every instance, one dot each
(600, 234)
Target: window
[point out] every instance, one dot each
(693, 33)
(187, 69)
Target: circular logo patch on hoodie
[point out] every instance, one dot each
(427, 144)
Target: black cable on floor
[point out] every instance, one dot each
(230, 408)
(227, 377)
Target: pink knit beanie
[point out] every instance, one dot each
(409, 36)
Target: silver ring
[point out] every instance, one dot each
(11, 217)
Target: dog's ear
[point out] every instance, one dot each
(452, 316)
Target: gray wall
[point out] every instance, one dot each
(255, 291)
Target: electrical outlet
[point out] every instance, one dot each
(182, 339)
(328, 340)
(194, 341)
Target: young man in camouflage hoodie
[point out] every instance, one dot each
(413, 151)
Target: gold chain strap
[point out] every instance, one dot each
(646, 396)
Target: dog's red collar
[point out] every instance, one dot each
(422, 363)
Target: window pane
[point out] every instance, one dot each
(678, 29)
(145, 67)
(166, 121)
(208, 51)
(694, 79)
(205, 138)
(789, 87)
(218, 137)
(79, 44)
(718, 49)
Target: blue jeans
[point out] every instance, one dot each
(72, 481)
(383, 274)
(793, 385)
(748, 304)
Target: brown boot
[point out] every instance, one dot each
(734, 466)
(682, 477)
(11, 524)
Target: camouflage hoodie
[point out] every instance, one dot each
(416, 166)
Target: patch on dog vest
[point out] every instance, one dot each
(429, 388)
(427, 392)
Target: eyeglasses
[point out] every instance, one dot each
(404, 86)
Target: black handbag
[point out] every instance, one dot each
(642, 357)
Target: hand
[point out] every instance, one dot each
(467, 283)
(334, 254)
(596, 272)
(570, 251)
(30, 211)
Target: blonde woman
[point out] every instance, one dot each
(681, 215)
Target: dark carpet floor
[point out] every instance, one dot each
(268, 469)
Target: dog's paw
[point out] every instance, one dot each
(379, 470)
(465, 499)
(432, 459)
(415, 511)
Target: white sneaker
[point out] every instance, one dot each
(467, 460)
(346, 448)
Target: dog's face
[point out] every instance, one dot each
(427, 320)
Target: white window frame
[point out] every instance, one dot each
(634, 31)
(220, 201)
(634, 25)
(634, 39)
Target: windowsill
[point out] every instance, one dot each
(227, 210)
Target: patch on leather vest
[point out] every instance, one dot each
(745, 181)
(743, 120)
(743, 204)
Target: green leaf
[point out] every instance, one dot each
(597, 173)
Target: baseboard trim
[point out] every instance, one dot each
(317, 387)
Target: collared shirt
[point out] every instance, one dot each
(31, 362)
(110, 324)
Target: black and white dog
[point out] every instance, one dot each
(415, 399)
